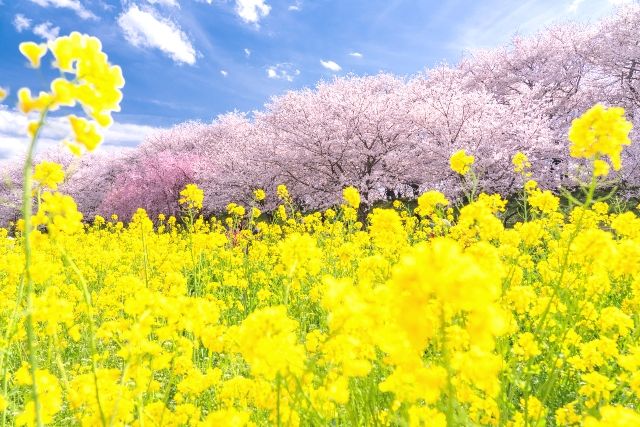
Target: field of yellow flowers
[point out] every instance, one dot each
(437, 315)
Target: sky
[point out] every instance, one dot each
(194, 59)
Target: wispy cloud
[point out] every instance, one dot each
(252, 11)
(13, 128)
(283, 71)
(485, 26)
(74, 5)
(168, 3)
(356, 54)
(127, 134)
(331, 65)
(575, 4)
(21, 23)
(247, 52)
(296, 7)
(46, 30)
(224, 73)
(147, 29)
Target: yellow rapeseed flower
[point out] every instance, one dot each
(85, 132)
(613, 416)
(235, 209)
(259, 195)
(429, 201)
(460, 162)
(600, 131)
(33, 52)
(64, 92)
(49, 174)
(62, 213)
(526, 346)
(351, 196)
(26, 103)
(50, 395)
(191, 197)
(32, 128)
(282, 192)
(95, 84)
(600, 168)
(267, 341)
(98, 82)
(520, 162)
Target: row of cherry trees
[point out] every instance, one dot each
(391, 137)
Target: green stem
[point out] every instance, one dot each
(145, 258)
(278, 386)
(447, 362)
(27, 206)
(92, 343)
(4, 353)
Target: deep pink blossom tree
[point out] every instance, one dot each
(150, 180)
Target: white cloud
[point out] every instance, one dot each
(224, 73)
(252, 10)
(283, 71)
(575, 4)
(13, 136)
(74, 5)
(296, 7)
(330, 65)
(169, 3)
(356, 54)
(127, 134)
(21, 23)
(496, 22)
(147, 29)
(247, 52)
(46, 30)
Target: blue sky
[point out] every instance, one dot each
(195, 59)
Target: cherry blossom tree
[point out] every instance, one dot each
(352, 131)
(10, 191)
(454, 114)
(231, 161)
(148, 180)
(92, 177)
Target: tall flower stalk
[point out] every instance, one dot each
(88, 79)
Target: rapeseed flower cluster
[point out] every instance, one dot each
(521, 163)
(87, 78)
(48, 175)
(600, 132)
(432, 316)
(351, 196)
(191, 197)
(461, 162)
